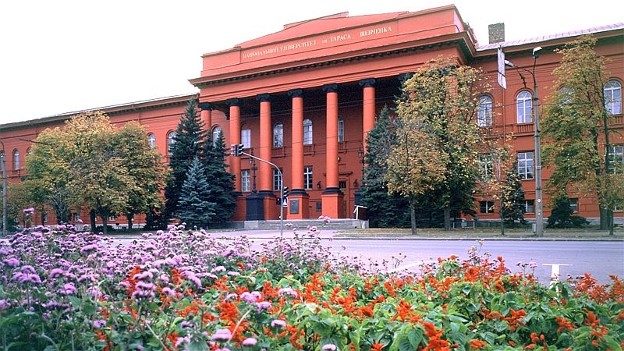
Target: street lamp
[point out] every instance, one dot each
(539, 214)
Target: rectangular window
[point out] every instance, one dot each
(246, 138)
(525, 165)
(277, 180)
(340, 130)
(308, 179)
(342, 184)
(529, 206)
(574, 206)
(76, 217)
(486, 206)
(245, 180)
(616, 159)
(112, 218)
(486, 164)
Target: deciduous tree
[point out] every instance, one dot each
(577, 131)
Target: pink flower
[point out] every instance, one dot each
(250, 342)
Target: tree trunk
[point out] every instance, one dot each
(130, 217)
(104, 224)
(92, 219)
(604, 218)
(413, 218)
(447, 218)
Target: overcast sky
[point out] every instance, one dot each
(60, 56)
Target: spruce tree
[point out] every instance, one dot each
(384, 210)
(221, 182)
(190, 135)
(194, 206)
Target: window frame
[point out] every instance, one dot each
(529, 206)
(486, 206)
(170, 142)
(308, 178)
(245, 180)
(215, 133)
(485, 112)
(613, 96)
(151, 140)
(278, 135)
(524, 107)
(16, 160)
(278, 178)
(308, 132)
(523, 167)
(341, 125)
(246, 138)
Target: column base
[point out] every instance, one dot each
(271, 209)
(333, 203)
(255, 207)
(298, 205)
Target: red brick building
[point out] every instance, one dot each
(306, 97)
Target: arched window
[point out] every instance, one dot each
(170, 141)
(613, 97)
(484, 111)
(16, 159)
(216, 133)
(278, 135)
(151, 140)
(524, 106)
(307, 132)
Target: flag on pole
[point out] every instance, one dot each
(502, 81)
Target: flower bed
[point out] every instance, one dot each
(179, 290)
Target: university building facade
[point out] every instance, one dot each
(306, 97)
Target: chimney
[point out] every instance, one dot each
(496, 33)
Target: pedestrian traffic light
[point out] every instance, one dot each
(285, 192)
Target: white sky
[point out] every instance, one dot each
(60, 56)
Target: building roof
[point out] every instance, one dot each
(543, 38)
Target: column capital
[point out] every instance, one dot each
(263, 97)
(330, 88)
(206, 106)
(233, 102)
(370, 82)
(295, 93)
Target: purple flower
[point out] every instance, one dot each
(287, 291)
(329, 347)
(263, 305)
(532, 264)
(99, 323)
(222, 335)
(56, 272)
(250, 297)
(4, 304)
(250, 342)
(278, 323)
(12, 262)
(68, 289)
(88, 248)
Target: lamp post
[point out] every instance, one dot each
(539, 214)
(4, 190)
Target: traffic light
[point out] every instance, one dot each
(237, 150)
(285, 192)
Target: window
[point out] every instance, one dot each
(486, 206)
(484, 112)
(245, 181)
(486, 164)
(170, 141)
(613, 97)
(217, 133)
(574, 206)
(246, 138)
(525, 165)
(16, 160)
(151, 140)
(307, 132)
(76, 217)
(524, 105)
(565, 94)
(277, 180)
(616, 159)
(340, 130)
(529, 206)
(308, 180)
(278, 135)
(112, 218)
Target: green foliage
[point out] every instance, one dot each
(577, 130)
(195, 207)
(384, 209)
(562, 215)
(436, 147)
(190, 135)
(512, 200)
(220, 181)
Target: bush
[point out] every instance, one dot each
(65, 290)
(562, 216)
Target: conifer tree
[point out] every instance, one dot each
(221, 182)
(188, 140)
(384, 210)
(194, 206)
